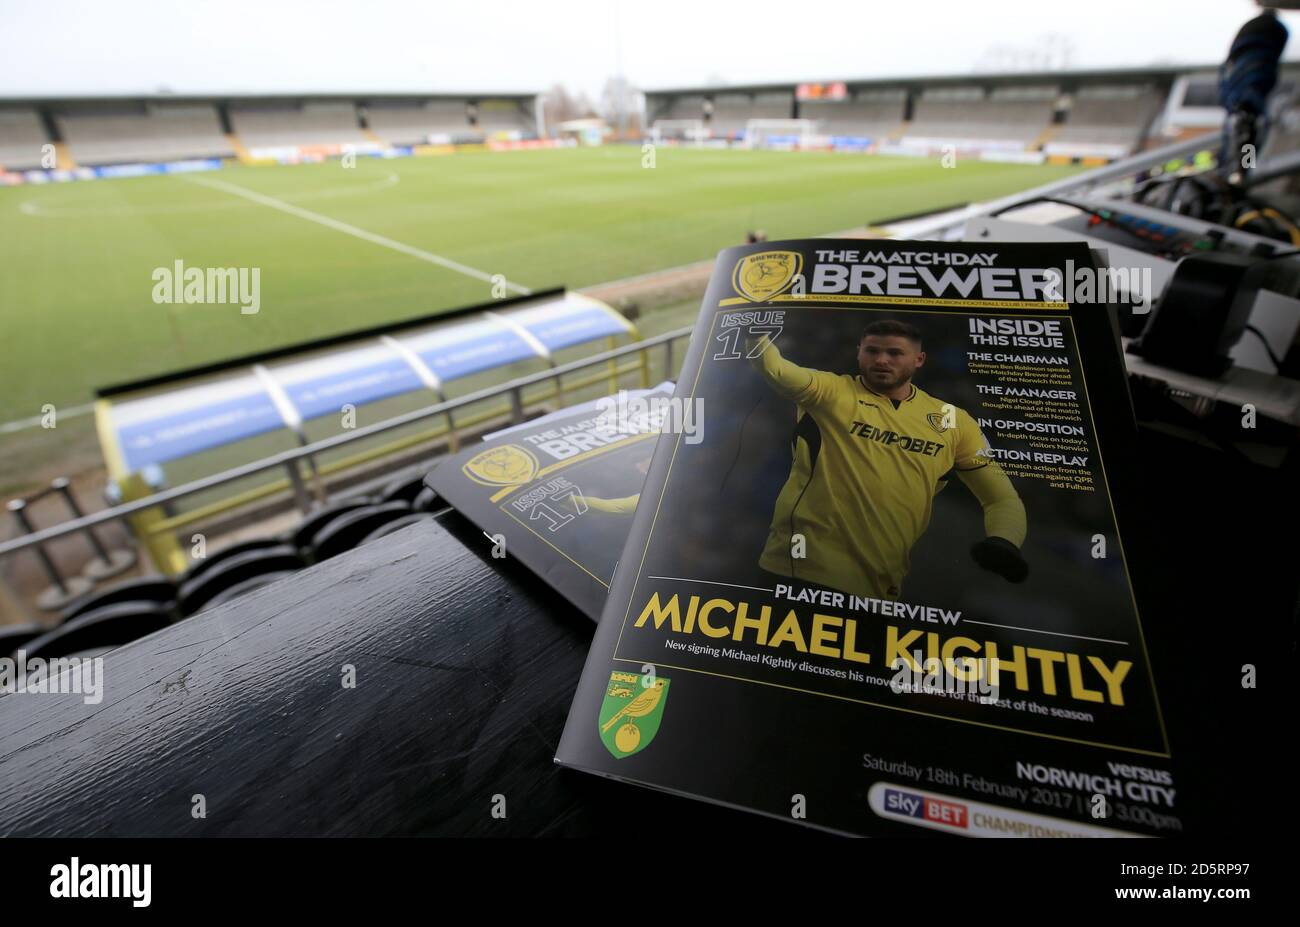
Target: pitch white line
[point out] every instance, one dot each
(352, 230)
(34, 207)
(21, 423)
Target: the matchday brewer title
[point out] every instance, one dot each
(942, 274)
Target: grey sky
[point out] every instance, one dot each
(203, 46)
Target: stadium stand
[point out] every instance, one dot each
(283, 125)
(1090, 115)
(732, 111)
(497, 116)
(1009, 117)
(1107, 117)
(872, 114)
(21, 138)
(143, 133)
(413, 123)
(1284, 134)
(687, 107)
(1192, 107)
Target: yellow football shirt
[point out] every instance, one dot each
(863, 478)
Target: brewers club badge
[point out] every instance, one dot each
(759, 277)
(507, 465)
(631, 712)
(939, 421)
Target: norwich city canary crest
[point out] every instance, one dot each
(631, 712)
(508, 465)
(759, 277)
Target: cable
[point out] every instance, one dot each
(1093, 212)
(1277, 364)
(1084, 209)
(1279, 219)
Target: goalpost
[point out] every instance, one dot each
(778, 133)
(678, 130)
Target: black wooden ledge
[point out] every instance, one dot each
(464, 674)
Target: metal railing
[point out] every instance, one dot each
(289, 460)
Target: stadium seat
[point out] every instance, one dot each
(351, 529)
(198, 592)
(1009, 117)
(247, 586)
(403, 489)
(1106, 118)
(199, 567)
(150, 589)
(14, 636)
(396, 524)
(425, 501)
(278, 125)
(873, 116)
(91, 653)
(304, 536)
(22, 139)
(504, 116)
(108, 626)
(414, 122)
(732, 111)
(152, 132)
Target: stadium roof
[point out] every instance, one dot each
(367, 97)
(1158, 74)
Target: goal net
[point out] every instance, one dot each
(678, 130)
(778, 133)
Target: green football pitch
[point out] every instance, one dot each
(342, 248)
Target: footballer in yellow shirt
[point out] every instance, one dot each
(870, 452)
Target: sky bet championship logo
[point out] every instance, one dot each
(968, 818)
(759, 277)
(631, 712)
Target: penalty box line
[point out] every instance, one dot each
(354, 231)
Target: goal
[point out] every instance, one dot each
(778, 133)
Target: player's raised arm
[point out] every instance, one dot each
(1005, 523)
(805, 386)
(623, 506)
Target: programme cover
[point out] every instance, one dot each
(558, 493)
(887, 589)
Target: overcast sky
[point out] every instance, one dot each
(56, 47)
